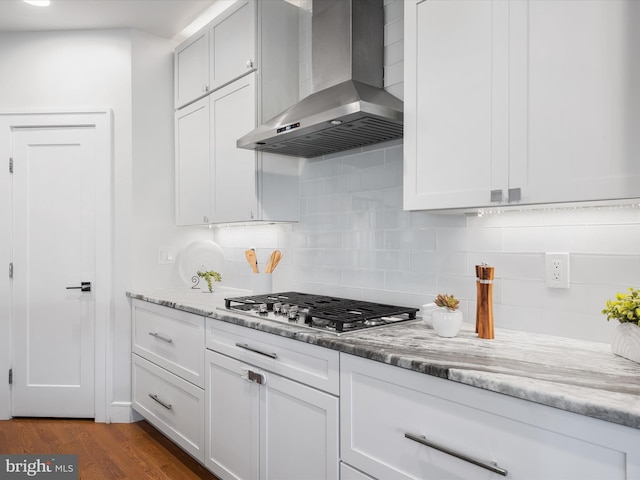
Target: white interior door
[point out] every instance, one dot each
(53, 249)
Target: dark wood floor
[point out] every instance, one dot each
(105, 451)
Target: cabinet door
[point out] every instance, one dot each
(173, 405)
(231, 418)
(575, 105)
(299, 432)
(399, 424)
(233, 190)
(191, 64)
(233, 44)
(192, 164)
(456, 102)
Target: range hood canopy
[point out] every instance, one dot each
(349, 108)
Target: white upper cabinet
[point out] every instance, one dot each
(192, 168)
(219, 53)
(575, 105)
(520, 103)
(216, 182)
(455, 127)
(233, 43)
(191, 73)
(233, 184)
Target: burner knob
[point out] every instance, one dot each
(293, 313)
(303, 315)
(262, 308)
(277, 307)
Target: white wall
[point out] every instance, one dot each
(153, 166)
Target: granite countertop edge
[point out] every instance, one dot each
(413, 346)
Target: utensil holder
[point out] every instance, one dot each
(484, 309)
(261, 283)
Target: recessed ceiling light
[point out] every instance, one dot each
(38, 3)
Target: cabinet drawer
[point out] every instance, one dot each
(170, 338)
(172, 405)
(350, 473)
(380, 404)
(309, 364)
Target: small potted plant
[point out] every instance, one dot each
(210, 276)
(447, 320)
(626, 310)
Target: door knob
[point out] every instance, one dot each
(84, 287)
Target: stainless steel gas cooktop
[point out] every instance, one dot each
(320, 312)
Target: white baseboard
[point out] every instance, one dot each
(121, 412)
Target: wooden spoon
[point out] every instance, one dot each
(252, 259)
(276, 255)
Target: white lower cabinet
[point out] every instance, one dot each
(261, 425)
(399, 424)
(168, 372)
(350, 473)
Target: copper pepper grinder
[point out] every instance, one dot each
(484, 309)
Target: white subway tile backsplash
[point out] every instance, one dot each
(453, 240)
(410, 240)
(393, 53)
(425, 262)
(394, 32)
(394, 10)
(397, 90)
(614, 239)
(393, 74)
(391, 219)
(605, 269)
(453, 263)
(363, 278)
(392, 260)
(411, 282)
(545, 238)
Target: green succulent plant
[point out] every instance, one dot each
(625, 308)
(210, 277)
(447, 301)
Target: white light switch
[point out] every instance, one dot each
(166, 255)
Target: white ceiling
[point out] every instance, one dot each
(163, 18)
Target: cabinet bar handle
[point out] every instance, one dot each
(156, 399)
(160, 337)
(492, 466)
(255, 350)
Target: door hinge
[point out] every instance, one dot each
(10, 165)
(11, 376)
(11, 270)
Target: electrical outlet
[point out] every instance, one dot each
(556, 266)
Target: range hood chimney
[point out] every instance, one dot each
(348, 107)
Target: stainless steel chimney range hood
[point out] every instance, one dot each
(349, 108)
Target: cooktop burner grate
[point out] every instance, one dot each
(340, 313)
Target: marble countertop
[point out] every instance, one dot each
(573, 375)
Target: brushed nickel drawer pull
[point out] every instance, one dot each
(156, 399)
(492, 466)
(255, 350)
(160, 337)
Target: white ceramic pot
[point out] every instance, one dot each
(626, 341)
(446, 323)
